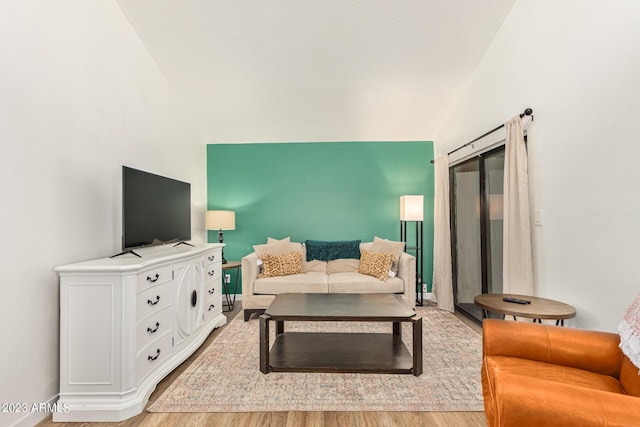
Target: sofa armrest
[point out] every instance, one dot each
(250, 273)
(588, 350)
(407, 272)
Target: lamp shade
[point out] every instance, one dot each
(411, 208)
(220, 220)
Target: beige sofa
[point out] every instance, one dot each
(335, 276)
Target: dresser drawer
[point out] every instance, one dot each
(153, 300)
(153, 326)
(212, 307)
(212, 288)
(154, 277)
(213, 263)
(213, 272)
(213, 256)
(153, 355)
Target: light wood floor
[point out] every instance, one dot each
(286, 419)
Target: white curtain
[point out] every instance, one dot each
(442, 289)
(517, 273)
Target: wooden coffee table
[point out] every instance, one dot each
(540, 308)
(340, 352)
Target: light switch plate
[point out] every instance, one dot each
(538, 217)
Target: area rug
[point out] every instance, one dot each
(226, 376)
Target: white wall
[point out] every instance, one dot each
(309, 70)
(79, 97)
(577, 64)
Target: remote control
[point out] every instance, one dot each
(516, 300)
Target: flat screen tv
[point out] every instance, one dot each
(155, 209)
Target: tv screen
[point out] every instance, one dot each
(155, 209)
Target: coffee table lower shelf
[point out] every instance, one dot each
(340, 352)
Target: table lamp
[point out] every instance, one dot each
(220, 220)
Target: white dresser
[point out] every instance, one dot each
(126, 322)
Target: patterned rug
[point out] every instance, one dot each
(226, 376)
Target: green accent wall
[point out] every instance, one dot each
(319, 191)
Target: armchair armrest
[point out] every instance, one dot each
(407, 272)
(249, 275)
(588, 350)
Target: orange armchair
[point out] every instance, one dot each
(543, 375)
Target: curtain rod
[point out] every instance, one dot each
(527, 112)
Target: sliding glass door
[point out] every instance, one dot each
(476, 218)
(494, 178)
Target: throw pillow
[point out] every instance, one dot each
(271, 240)
(275, 247)
(376, 264)
(629, 330)
(281, 265)
(366, 246)
(326, 251)
(388, 247)
(295, 246)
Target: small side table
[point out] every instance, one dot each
(226, 287)
(538, 309)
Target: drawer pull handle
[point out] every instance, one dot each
(154, 302)
(211, 257)
(151, 331)
(212, 272)
(152, 358)
(212, 291)
(150, 280)
(211, 307)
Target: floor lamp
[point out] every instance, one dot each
(412, 210)
(220, 220)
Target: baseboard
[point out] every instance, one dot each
(38, 413)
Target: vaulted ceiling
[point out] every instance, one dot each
(297, 70)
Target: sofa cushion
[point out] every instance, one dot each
(376, 265)
(360, 283)
(326, 251)
(529, 401)
(388, 247)
(311, 282)
(314, 264)
(281, 265)
(343, 265)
